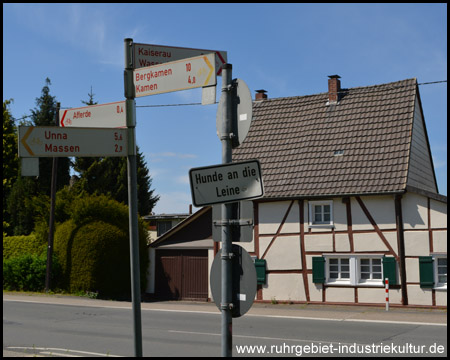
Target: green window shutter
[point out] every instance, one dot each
(318, 267)
(390, 270)
(260, 265)
(426, 271)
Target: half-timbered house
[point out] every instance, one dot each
(351, 199)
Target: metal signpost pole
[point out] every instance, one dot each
(51, 231)
(132, 197)
(226, 137)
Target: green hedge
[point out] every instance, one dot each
(27, 272)
(14, 246)
(93, 248)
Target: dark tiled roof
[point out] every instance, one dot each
(296, 138)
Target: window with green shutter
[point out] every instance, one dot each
(390, 270)
(318, 267)
(426, 271)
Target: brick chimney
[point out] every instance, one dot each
(334, 86)
(261, 95)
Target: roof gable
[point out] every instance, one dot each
(308, 148)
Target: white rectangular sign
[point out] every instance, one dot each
(148, 55)
(53, 141)
(226, 183)
(174, 76)
(111, 115)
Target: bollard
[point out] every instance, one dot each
(386, 281)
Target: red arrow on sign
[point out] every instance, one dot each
(111, 115)
(223, 62)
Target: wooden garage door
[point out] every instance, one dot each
(181, 274)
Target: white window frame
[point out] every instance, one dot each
(371, 280)
(338, 280)
(355, 270)
(312, 205)
(437, 284)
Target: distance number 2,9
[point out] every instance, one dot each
(118, 137)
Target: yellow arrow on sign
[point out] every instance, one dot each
(211, 69)
(24, 143)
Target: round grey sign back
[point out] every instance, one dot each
(243, 281)
(242, 110)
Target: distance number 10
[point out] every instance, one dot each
(191, 80)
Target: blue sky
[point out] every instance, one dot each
(286, 49)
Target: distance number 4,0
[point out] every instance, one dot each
(191, 80)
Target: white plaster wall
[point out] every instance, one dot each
(292, 224)
(395, 296)
(337, 294)
(248, 246)
(414, 211)
(284, 254)
(412, 270)
(372, 295)
(438, 214)
(381, 208)
(416, 243)
(373, 242)
(271, 214)
(342, 242)
(440, 241)
(309, 261)
(284, 287)
(441, 297)
(263, 244)
(315, 290)
(339, 215)
(322, 242)
(419, 296)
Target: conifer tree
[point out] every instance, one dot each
(44, 115)
(22, 207)
(10, 159)
(109, 176)
(82, 164)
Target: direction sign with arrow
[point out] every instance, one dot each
(110, 115)
(54, 141)
(178, 75)
(148, 55)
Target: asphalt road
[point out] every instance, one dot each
(105, 329)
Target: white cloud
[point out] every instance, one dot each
(439, 163)
(183, 179)
(187, 156)
(86, 27)
(157, 172)
(158, 157)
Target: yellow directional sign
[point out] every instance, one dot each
(178, 75)
(54, 141)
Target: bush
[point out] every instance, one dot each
(93, 248)
(14, 246)
(27, 272)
